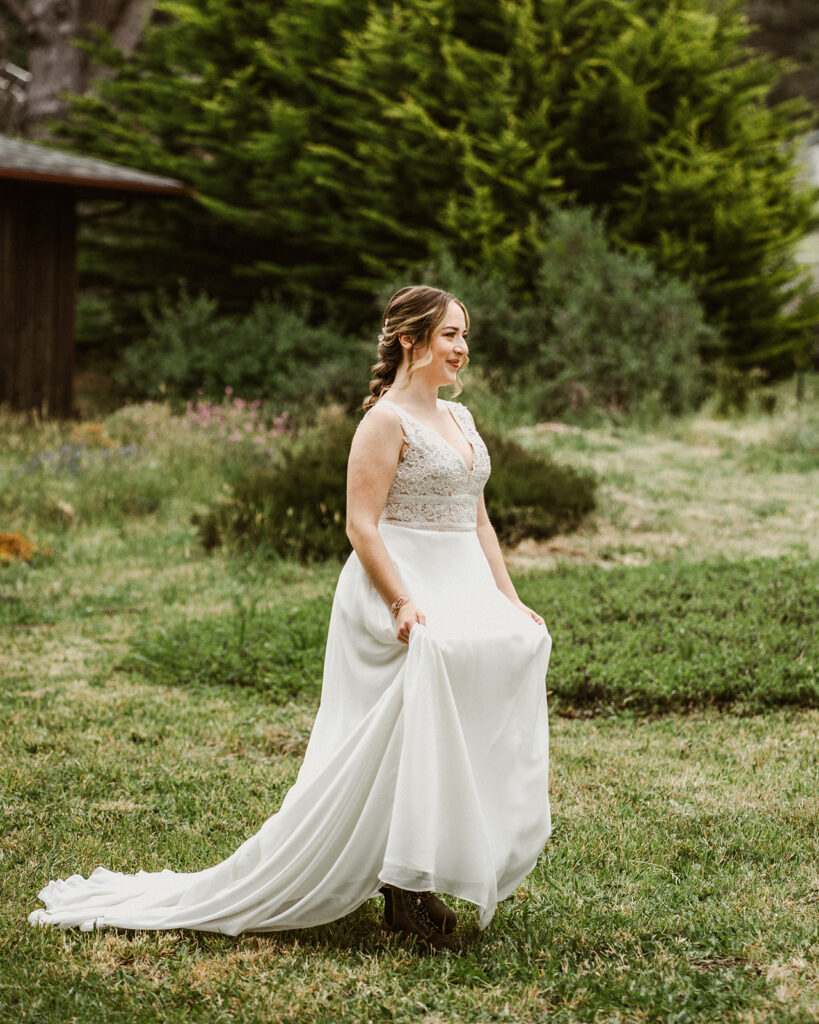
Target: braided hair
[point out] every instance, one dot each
(418, 311)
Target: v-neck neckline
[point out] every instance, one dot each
(441, 437)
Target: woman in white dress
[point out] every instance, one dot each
(427, 766)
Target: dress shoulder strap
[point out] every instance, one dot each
(408, 423)
(461, 414)
(392, 405)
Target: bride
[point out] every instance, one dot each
(427, 766)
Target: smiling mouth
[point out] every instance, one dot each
(454, 363)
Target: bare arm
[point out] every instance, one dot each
(491, 548)
(374, 456)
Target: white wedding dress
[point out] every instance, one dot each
(427, 766)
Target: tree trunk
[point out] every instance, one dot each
(55, 62)
(125, 20)
(789, 28)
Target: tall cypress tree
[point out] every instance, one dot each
(336, 142)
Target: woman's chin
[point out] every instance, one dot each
(445, 379)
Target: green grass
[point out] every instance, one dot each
(696, 488)
(279, 650)
(665, 637)
(679, 885)
(677, 636)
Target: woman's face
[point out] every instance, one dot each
(448, 347)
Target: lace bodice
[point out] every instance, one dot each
(433, 488)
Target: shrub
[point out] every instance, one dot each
(615, 333)
(14, 547)
(601, 330)
(191, 350)
(528, 494)
(297, 507)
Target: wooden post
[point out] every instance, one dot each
(37, 283)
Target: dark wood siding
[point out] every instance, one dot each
(37, 284)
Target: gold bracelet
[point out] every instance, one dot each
(398, 604)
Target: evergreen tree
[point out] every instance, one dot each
(335, 143)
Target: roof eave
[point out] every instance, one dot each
(90, 187)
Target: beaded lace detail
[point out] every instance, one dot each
(433, 487)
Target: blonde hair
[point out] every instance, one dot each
(418, 311)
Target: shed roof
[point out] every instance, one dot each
(32, 162)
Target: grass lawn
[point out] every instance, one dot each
(694, 488)
(680, 883)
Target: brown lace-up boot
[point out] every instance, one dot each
(406, 911)
(444, 918)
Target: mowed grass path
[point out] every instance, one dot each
(694, 488)
(680, 883)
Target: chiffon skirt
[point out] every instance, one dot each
(427, 767)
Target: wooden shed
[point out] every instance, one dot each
(39, 189)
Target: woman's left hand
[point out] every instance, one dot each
(525, 608)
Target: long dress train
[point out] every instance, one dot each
(427, 765)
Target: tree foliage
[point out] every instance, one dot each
(190, 349)
(335, 144)
(601, 329)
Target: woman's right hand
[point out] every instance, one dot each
(406, 618)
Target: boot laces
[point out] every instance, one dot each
(420, 912)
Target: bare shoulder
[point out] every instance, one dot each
(379, 432)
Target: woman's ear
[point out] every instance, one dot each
(405, 340)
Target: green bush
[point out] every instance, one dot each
(270, 352)
(616, 334)
(663, 638)
(602, 330)
(528, 494)
(297, 507)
